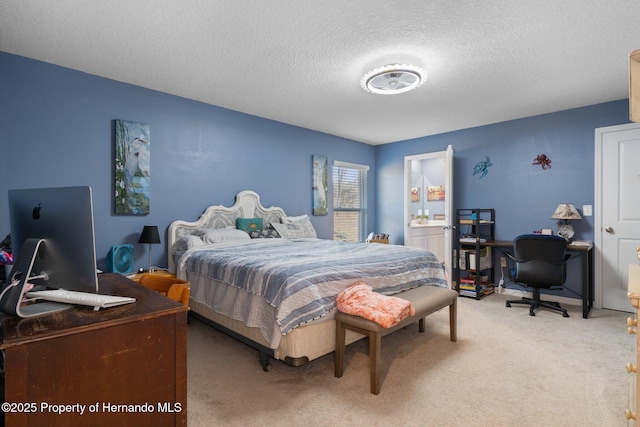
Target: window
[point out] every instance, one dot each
(349, 201)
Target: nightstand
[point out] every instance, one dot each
(165, 283)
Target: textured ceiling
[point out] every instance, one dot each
(300, 62)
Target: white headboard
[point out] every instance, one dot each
(247, 205)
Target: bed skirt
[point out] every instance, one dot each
(301, 345)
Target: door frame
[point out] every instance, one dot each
(598, 208)
(448, 185)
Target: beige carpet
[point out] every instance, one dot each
(507, 369)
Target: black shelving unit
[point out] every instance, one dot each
(472, 258)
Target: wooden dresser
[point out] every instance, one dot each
(125, 365)
(632, 324)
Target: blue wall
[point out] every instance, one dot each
(523, 195)
(56, 129)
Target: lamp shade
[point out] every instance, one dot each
(149, 234)
(566, 211)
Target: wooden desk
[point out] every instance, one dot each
(586, 255)
(107, 360)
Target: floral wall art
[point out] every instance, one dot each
(415, 194)
(435, 192)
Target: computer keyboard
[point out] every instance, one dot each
(97, 301)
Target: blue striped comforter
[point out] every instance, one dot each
(301, 278)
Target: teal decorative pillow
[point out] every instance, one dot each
(249, 224)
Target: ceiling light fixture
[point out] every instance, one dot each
(393, 79)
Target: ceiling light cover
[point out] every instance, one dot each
(393, 79)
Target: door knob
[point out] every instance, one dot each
(609, 230)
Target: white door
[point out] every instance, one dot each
(617, 222)
(448, 205)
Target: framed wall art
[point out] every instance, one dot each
(415, 194)
(132, 168)
(435, 192)
(320, 190)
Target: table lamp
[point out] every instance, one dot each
(564, 213)
(151, 236)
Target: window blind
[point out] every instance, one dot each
(349, 201)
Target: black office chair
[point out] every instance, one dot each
(540, 263)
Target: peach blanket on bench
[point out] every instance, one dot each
(359, 299)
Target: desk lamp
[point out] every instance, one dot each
(565, 212)
(151, 236)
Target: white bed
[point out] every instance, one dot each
(217, 303)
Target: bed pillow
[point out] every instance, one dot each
(187, 242)
(296, 229)
(249, 224)
(288, 219)
(268, 232)
(201, 231)
(217, 235)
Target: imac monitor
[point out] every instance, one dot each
(52, 234)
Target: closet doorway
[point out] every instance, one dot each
(428, 203)
(617, 213)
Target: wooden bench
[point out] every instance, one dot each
(425, 300)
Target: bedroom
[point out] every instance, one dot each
(208, 154)
(56, 128)
(216, 152)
